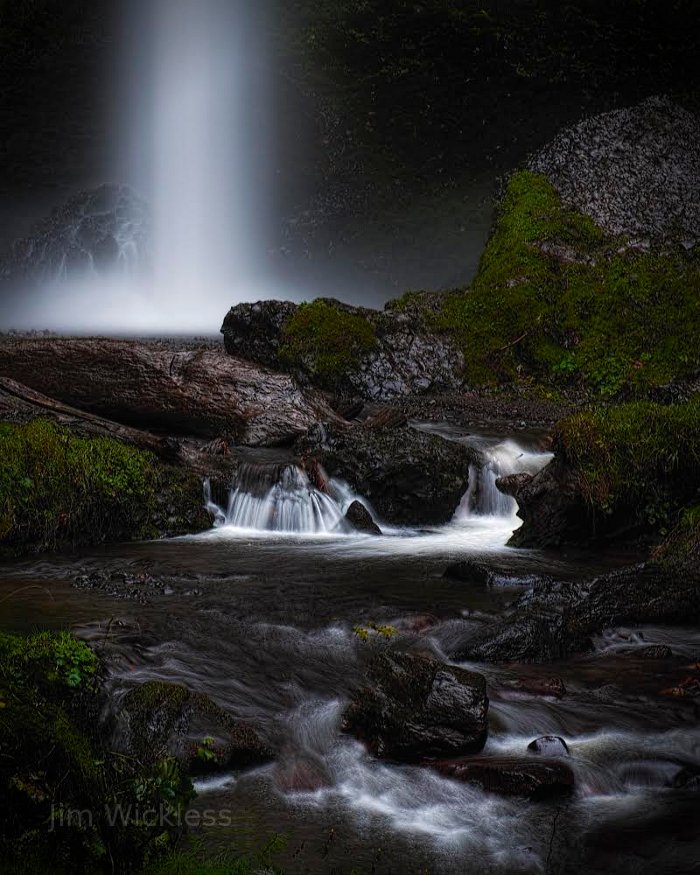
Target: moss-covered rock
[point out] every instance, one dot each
(559, 301)
(59, 489)
(67, 802)
(326, 341)
(617, 470)
(159, 719)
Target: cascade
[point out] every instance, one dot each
(483, 498)
(282, 498)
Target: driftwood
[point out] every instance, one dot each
(20, 403)
(175, 389)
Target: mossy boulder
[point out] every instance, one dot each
(349, 351)
(159, 719)
(412, 707)
(618, 470)
(560, 302)
(61, 786)
(58, 489)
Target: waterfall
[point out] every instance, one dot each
(192, 136)
(282, 498)
(483, 498)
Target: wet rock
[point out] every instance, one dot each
(160, 719)
(301, 775)
(412, 707)
(409, 477)
(553, 686)
(551, 506)
(254, 331)
(537, 779)
(654, 651)
(549, 746)
(469, 572)
(555, 619)
(361, 520)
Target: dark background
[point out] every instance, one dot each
(394, 120)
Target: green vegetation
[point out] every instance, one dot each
(59, 779)
(640, 458)
(364, 633)
(326, 341)
(560, 303)
(58, 489)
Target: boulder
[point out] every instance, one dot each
(407, 357)
(549, 746)
(361, 520)
(409, 476)
(551, 506)
(469, 572)
(176, 388)
(537, 779)
(412, 707)
(159, 719)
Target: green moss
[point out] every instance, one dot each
(558, 301)
(59, 779)
(640, 458)
(58, 489)
(326, 341)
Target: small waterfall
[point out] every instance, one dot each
(483, 498)
(282, 498)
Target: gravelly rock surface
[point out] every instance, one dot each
(635, 171)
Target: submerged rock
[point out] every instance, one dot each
(412, 707)
(361, 519)
(549, 746)
(469, 572)
(160, 719)
(536, 779)
(407, 475)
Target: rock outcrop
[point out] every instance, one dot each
(408, 476)
(361, 520)
(412, 707)
(634, 171)
(182, 390)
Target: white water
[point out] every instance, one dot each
(291, 504)
(195, 143)
(483, 497)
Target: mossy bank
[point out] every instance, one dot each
(60, 490)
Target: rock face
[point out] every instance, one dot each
(409, 476)
(159, 719)
(361, 519)
(412, 707)
(408, 358)
(634, 171)
(536, 779)
(181, 390)
(96, 231)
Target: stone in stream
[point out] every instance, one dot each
(412, 707)
(549, 746)
(469, 571)
(159, 719)
(361, 520)
(653, 651)
(508, 776)
(301, 774)
(552, 686)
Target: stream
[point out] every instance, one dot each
(259, 614)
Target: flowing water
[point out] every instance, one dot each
(259, 613)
